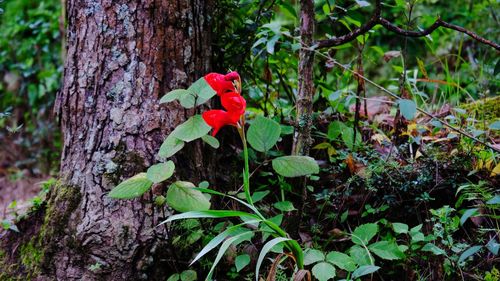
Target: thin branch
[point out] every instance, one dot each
(374, 20)
(378, 19)
(438, 23)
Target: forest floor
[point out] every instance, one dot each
(16, 195)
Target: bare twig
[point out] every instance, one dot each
(355, 33)
(378, 19)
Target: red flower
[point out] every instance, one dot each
(219, 83)
(231, 100)
(231, 76)
(217, 119)
(235, 104)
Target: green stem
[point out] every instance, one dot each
(292, 244)
(246, 171)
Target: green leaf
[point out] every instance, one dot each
(213, 142)
(335, 129)
(265, 249)
(188, 100)
(467, 214)
(495, 125)
(209, 214)
(360, 255)
(364, 270)
(266, 230)
(131, 188)
(341, 260)
(170, 146)
(469, 252)
(182, 197)
(408, 109)
(223, 248)
(429, 247)
(263, 133)
(189, 275)
(194, 128)
(160, 172)
(387, 250)
(362, 3)
(295, 166)
(241, 261)
(417, 237)
(202, 89)
(312, 256)
(284, 206)
(220, 238)
(174, 95)
(493, 246)
(348, 137)
(343, 216)
(259, 195)
(323, 271)
(271, 43)
(416, 229)
(174, 277)
(400, 228)
(364, 233)
(286, 130)
(494, 200)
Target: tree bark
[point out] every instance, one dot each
(302, 137)
(121, 57)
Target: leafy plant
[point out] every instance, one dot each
(185, 197)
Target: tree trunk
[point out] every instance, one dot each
(121, 57)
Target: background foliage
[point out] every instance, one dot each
(30, 72)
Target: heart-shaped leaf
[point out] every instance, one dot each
(194, 128)
(160, 172)
(263, 133)
(170, 146)
(408, 109)
(295, 166)
(131, 188)
(323, 271)
(388, 250)
(182, 197)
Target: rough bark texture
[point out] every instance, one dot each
(121, 57)
(302, 138)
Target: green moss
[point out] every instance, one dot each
(36, 250)
(59, 208)
(485, 109)
(31, 256)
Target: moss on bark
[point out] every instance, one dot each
(29, 254)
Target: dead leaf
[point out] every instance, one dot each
(374, 105)
(350, 164)
(391, 54)
(496, 171)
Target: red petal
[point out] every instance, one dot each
(219, 83)
(231, 76)
(217, 119)
(234, 103)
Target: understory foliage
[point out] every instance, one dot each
(30, 76)
(403, 186)
(399, 195)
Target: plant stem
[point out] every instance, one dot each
(246, 170)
